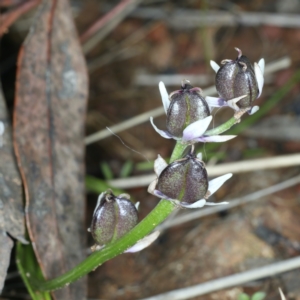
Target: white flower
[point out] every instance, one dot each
(194, 132)
(238, 83)
(160, 165)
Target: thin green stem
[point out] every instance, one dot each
(154, 218)
(178, 151)
(222, 128)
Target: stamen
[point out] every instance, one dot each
(239, 51)
(244, 65)
(225, 61)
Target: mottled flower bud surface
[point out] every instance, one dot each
(237, 78)
(184, 179)
(186, 107)
(113, 217)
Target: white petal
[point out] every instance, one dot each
(199, 156)
(144, 242)
(164, 96)
(215, 66)
(161, 195)
(159, 165)
(196, 129)
(157, 193)
(259, 78)
(253, 110)
(216, 138)
(152, 186)
(261, 64)
(2, 128)
(214, 204)
(197, 204)
(98, 201)
(163, 133)
(137, 205)
(215, 101)
(216, 183)
(232, 102)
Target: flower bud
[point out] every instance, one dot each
(237, 78)
(184, 179)
(113, 217)
(187, 106)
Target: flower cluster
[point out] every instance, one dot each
(184, 181)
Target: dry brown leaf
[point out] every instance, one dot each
(5, 249)
(11, 198)
(49, 129)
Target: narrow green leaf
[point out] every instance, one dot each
(106, 170)
(29, 268)
(255, 152)
(98, 186)
(145, 166)
(243, 296)
(126, 169)
(259, 296)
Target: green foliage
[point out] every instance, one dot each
(255, 296)
(126, 169)
(259, 296)
(97, 185)
(254, 152)
(28, 268)
(243, 296)
(144, 166)
(106, 170)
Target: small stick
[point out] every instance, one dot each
(10, 17)
(104, 25)
(229, 281)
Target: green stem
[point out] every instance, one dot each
(154, 218)
(222, 128)
(178, 151)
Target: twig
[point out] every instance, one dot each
(123, 126)
(152, 80)
(280, 64)
(233, 167)
(8, 3)
(106, 24)
(281, 294)
(187, 18)
(123, 49)
(229, 281)
(232, 203)
(10, 17)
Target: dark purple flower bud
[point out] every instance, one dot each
(237, 78)
(187, 106)
(113, 217)
(184, 179)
